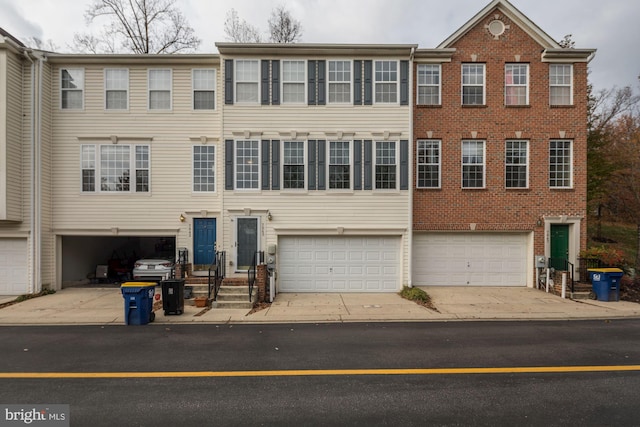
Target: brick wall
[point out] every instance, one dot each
(495, 207)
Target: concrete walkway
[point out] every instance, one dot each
(103, 306)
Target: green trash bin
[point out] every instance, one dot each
(138, 302)
(606, 283)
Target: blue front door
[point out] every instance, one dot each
(204, 240)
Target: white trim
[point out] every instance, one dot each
(418, 85)
(557, 85)
(574, 223)
(132, 169)
(235, 237)
(106, 90)
(570, 141)
(282, 82)
(305, 164)
(484, 83)
(418, 164)
(375, 165)
(351, 82)
(526, 164)
(82, 90)
(193, 89)
(526, 86)
(351, 166)
(236, 81)
(215, 177)
(484, 164)
(374, 82)
(235, 165)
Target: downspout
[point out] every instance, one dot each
(411, 157)
(38, 150)
(32, 282)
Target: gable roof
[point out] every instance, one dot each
(514, 14)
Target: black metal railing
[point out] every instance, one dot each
(218, 267)
(258, 258)
(584, 264)
(563, 264)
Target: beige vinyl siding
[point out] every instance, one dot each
(12, 151)
(170, 135)
(47, 242)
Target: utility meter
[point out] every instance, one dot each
(271, 257)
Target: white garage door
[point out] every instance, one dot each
(338, 264)
(13, 266)
(470, 259)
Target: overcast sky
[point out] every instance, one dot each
(610, 26)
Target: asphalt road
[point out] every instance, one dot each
(460, 373)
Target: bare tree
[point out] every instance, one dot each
(40, 44)
(137, 26)
(240, 31)
(283, 28)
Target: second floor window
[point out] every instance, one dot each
(247, 80)
(293, 81)
(116, 88)
(247, 165)
(386, 167)
(204, 89)
(428, 163)
(339, 165)
(159, 89)
(204, 168)
(560, 164)
(428, 84)
(473, 84)
(293, 165)
(560, 84)
(71, 88)
(473, 164)
(339, 82)
(386, 82)
(516, 164)
(516, 84)
(118, 168)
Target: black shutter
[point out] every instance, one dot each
(357, 82)
(275, 164)
(264, 79)
(357, 165)
(322, 165)
(312, 165)
(311, 86)
(404, 164)
(228, 164)
(275, 82)
(368, 83)
(265, 164)
(404, 82)
(322, 90)
(228, 81)
(368, 164)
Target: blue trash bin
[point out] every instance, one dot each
(138, 302)
(606, 283)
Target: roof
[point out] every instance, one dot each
(315, 49)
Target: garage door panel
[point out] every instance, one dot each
(340, 264)
(13, 267)
(470, 259)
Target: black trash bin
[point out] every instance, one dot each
(173, 296)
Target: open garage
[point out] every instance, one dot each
(82, 255)
(470, 259)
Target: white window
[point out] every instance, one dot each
(116, 88)
(339, 82)
(386, 165)
(560, 164)
(247, 79)
(72, 88)
(473, 164)
(561, 84)
(117, 168)
(160, 89)
(473, 77)
(247, 165)
(293, 81)
(516, 84)
(339, 165)
(386, 82)
(428, 163)
(517, 164)
(204, 89)
(204, 168)
(429, 84)
(293, 165)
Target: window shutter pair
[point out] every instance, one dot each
(362, 73)
(317, 153)
(316, 85)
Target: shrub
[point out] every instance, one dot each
(608, 256)
(414, 294)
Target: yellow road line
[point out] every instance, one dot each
(321, 372)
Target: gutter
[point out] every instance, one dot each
(32, 282)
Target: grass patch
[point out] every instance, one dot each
(622, 236)
(418, 296)
(27, 297)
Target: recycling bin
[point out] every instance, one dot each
(138, 302)
(606, 283)
(173, 296)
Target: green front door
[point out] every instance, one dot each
(559, 246)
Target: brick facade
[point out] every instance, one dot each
(496, 208)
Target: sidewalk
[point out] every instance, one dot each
(104, 306)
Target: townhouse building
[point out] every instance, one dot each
(356, 167)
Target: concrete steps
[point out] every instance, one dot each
(234, 292)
